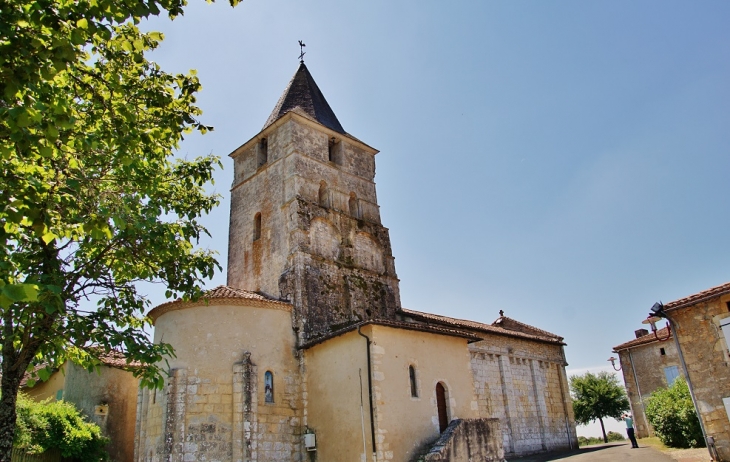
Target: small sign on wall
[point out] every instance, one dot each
(102, 409)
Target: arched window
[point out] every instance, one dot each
(269, 387)
(353, 206)
(412, 376)
(441, 405)
(262, 152)
(323, 195)
(257, 227)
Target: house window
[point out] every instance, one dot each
(662, 352)
(671, 373)
(262, 152)
(412, 376)
(269, 387)
(257, 227)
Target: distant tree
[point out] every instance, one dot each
(672, 414)
(91, 199)
(597, 396)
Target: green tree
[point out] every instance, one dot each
(672, 414)
(58, 425)
(597, 396)
(91, 199)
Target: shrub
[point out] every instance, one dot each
(615, 436)
(45, 425)
(671, 412)
(590, 440)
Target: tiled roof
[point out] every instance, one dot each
(699, 297)
(303, 94)
(114, 359)
(644, 339)
(502, 326)
(395, 324)
(231, 292)
(219, 293)
(513, 324)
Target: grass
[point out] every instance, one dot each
(653, 442)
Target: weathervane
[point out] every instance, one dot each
(301, 49)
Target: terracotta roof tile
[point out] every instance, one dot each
(525, 330)
(218, 293)
(644, 339)
(699, 297)
(395, 324)
(231, 292)
(513, 324)
(115, 359)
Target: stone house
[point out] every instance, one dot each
(700, 324)
(648, 362)
(107, 397)
(700, 334)
(306, 354)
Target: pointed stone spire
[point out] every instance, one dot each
(303, 93)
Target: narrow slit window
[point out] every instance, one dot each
(331, 149)
(412, 377)
(662, 352)
(262, 153)
(269, 387)
(257, 227)
(353, 206)
(323, 195)
(334, 148)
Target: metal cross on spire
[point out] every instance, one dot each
(302, 52)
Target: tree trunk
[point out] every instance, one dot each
(9, 389)
(603, 429)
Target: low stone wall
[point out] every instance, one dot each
(474, 440)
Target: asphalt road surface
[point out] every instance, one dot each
(618, 452)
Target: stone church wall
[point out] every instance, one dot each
(406, 426)
(214, 404)
(523, 384)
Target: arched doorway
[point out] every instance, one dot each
(441, 406)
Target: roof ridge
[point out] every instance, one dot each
(699, 296)
(467, 324)
(662, 333)
(536, 329)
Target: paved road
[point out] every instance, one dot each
(616, 452)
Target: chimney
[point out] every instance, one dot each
(641, 333)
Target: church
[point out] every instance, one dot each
(307, 354)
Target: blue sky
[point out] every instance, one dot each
(566, 162)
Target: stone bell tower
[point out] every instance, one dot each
(305, 222)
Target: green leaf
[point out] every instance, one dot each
(21, 292)
(45, 151)
(48, 237)
(83, 23)
(44, 374)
